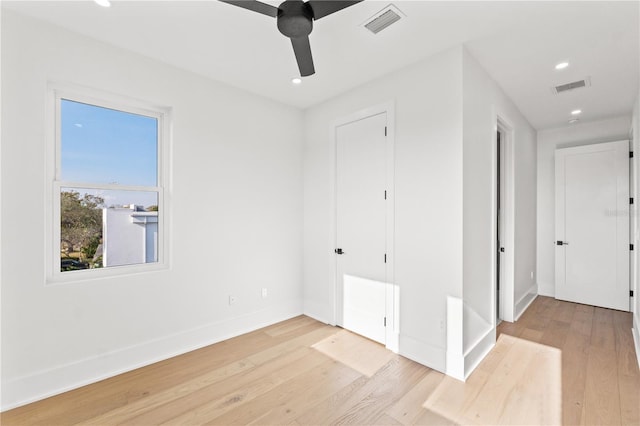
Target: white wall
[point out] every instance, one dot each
(428, 198)
(236, 219)
(548, 140)
(483, 102)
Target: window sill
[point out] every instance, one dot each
(105, 273)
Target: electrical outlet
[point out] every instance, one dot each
(264, 292)
(232, 300)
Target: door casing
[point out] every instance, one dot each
(507, 299)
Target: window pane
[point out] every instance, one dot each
(101, 145)
(103, 228)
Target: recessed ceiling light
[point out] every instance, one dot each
(574, 120)
(562, 65)
(103, 3)
(576, 112)
(296, 80)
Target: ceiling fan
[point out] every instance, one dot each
(295, 20)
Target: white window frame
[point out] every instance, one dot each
(57, 92)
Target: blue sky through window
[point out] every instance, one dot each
(106, 146)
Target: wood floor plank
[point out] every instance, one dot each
(531, 335)
(348, 348)
(428, 417)
(564, 312)
(384, 394)
(203, 413)
(629, 399)
(603, 333)
(627, 361)
(408, 408)
(628, 371)
(555, 334)
(575, 353)
(272, 360)
(452, 397)
(286, 413)
(583, 320)
(385, 420)
(602, 394)
(366, 398)
(285, 402)
(122, 414)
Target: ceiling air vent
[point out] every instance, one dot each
(383, 19)
(586, 82)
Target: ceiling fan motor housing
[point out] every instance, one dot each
(295, 19)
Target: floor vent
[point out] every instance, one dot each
(585, 82)
(383, 19)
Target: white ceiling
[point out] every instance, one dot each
(517, 42)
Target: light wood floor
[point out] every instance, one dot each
(303, 372)
(600, 377)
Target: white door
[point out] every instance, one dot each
(592, 224)
(361, 226)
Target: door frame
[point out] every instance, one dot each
(507, 302)
(391, 291)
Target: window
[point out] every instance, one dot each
(108, 200)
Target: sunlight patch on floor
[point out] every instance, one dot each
(519, 382)
(363, 355)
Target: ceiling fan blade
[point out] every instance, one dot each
(322, 8)
(302, 49)
(256, 6)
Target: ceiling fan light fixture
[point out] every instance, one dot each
(296, 81)
(576, 112)
(562, 65)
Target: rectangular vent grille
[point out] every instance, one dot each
(572, 86)
(382, 21)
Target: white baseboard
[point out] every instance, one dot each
(636, 337)
(474, 356)
(525, 301)
(422, 353)
(43, 384)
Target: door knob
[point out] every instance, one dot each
(562, 243)
(338, 251)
